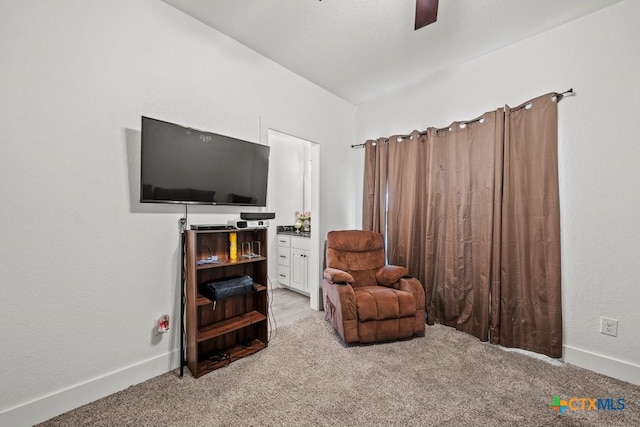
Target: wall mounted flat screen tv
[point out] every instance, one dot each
(189, 166)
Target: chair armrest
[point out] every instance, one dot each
(414, 287)
(339, 277)
(389, 275)
(341, 309)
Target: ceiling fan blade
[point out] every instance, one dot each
(426, 12)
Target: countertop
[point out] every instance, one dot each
(294, 233)
(290, 230)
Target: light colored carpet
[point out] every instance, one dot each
(306, 377)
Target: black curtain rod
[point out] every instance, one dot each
(558, 96)
(566, 92)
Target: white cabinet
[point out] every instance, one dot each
(284, 256)
(300, 256)
(294, 254)
(300, 269)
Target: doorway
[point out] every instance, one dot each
(294, 186)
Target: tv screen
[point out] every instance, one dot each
(184, 165)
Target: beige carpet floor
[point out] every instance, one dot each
(306, 377)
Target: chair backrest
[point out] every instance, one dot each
(358, 252)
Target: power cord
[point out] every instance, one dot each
(182, 222)
(273, 331)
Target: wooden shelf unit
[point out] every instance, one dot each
(218, 334)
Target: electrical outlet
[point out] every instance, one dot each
(608, 326)
(162, 324)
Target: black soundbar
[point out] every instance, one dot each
(211, 227)
(253, 216)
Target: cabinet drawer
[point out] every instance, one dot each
(283, 240)
(283, 256)
(303, 243)
(283, 275)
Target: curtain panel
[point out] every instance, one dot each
(464, 190)
(374, 206)
(406, 209)
(530, 295)
(472, 210)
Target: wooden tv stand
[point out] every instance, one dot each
(218, 334)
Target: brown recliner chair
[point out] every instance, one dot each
(364, 299)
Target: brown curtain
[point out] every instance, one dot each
(530, 315)
(472, 210)
(406, 213)
(463, 210)
(374, 206)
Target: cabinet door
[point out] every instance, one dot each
(299, 269)
(283, 275)
(283, 256)
(284, 241)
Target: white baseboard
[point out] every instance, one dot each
(47, 407)
(604, 365)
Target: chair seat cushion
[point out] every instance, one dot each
(381, 303)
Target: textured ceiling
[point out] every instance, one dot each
(360, 49)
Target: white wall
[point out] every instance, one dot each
(85, 269)
(599, 153)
